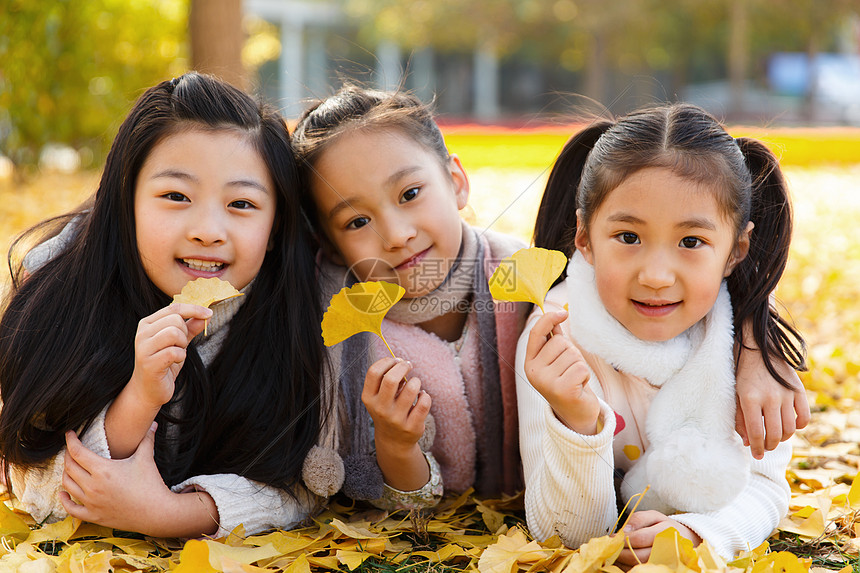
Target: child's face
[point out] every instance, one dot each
(390, 208)
(660, 246)
(204, 205)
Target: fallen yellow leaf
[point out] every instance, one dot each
(854, 493)
(673, 550)
(353, 559)
(595, 554)
(300, 565)
(511, 548)
(59, 531)
(12, 525)
(75, 559)
(218, 552)
(359, 308)
(354, 531)
(194, 558)
(527, 275)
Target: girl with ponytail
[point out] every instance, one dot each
(677, 235)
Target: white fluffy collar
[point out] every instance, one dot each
(696, 462)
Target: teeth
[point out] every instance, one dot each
(199, 265)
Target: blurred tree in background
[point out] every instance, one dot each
(70, 69)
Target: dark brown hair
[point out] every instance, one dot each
(67, 334)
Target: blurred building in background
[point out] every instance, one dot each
(489, 61)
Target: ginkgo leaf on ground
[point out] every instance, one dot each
(527, 275)
(359, 308)
(11, 524)
(511, 548)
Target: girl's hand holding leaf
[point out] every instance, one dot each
(557, 369)
(160, 350)
(159, 354)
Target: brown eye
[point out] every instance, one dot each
(690, 242)
(409, 195)
(629, 238)
(175, 196)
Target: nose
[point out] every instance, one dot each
(656, 271)
(397, 232)
(207, 226)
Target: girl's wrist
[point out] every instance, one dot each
(137, 389)
(405, 470)
(186, 514)
(586, 424)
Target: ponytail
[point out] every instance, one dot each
(555, 226)
(755, 278)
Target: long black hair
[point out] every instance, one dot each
(695, 146)
(67, 334)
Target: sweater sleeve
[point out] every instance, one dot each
(38, 489)
(752, 516)
(254, 505)
(570, 488)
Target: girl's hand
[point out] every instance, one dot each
(556, 369)
(130, 495)
(159, 350)
(767, 413)
(159, 354)
(641, 529)
(399, 410)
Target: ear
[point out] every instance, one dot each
(461, 181)
(742, 248)
(580, 241)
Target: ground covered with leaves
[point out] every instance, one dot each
(820, 291)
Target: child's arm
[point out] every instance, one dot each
(129, 494)
(399, 411)
(556, 369)
(767, 412)
(569, 476)
(159, 353)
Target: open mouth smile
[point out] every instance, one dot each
(201, 265)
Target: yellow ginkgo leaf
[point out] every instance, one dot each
(527, 275)
(359, 308)
(510, 549)
(12, 524)
(854, 493)
(194, 558)
(672, 550)
(206, 292)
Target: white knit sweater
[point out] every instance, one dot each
(570, 489)
(239, 500)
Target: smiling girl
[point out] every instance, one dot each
(116, 409)
(681, 233)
